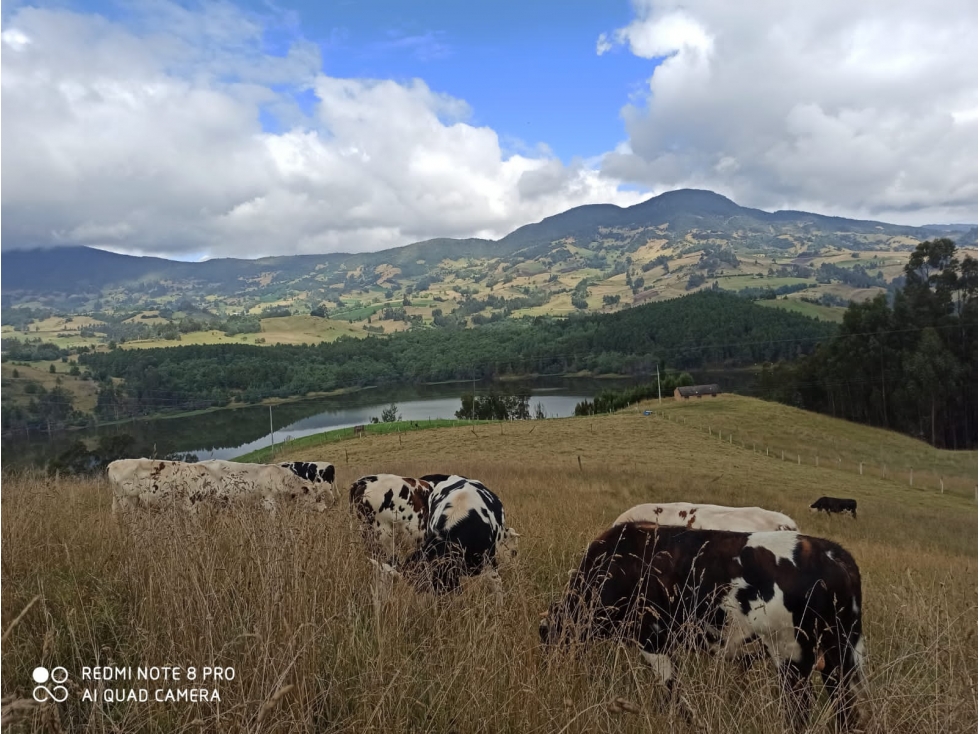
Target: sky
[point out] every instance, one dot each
(195, 130)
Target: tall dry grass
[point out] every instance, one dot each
(286, 600)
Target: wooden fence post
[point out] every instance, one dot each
(861, 468)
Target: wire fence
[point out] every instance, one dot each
(926, 478)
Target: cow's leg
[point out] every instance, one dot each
(495, 583)
(382, 583)
(794, 677)
(662, 668)
(843, 678)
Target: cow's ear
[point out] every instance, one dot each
(513, 533)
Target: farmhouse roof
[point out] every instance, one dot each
(691, 391)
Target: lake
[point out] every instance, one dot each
(225, 434)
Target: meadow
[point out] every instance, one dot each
(286, 600)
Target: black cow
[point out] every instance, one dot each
(668, 587)
(834, 504)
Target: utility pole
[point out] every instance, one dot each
(272, 431)
(659, 389)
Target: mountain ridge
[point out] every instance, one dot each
(596, 242)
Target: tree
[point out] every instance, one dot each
(16, 373)
(390, 414)
(52, 370)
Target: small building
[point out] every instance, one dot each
(696, 391)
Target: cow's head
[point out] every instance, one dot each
(509, 545)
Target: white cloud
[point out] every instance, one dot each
(146, 137)
(860, 109)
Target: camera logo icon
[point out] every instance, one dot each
(57, 693)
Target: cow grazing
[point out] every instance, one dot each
(708, 517)
(465, 535)
(834, 504)
(315, 472)
(157, 484)
(664, 587)
(394, 511)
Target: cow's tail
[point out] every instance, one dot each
(843, 645)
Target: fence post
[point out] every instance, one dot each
(766, 451)
(910, 476)
(941, 482)
(861, 468)
(579, 462)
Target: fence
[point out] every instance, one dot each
(925, 478)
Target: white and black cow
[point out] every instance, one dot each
(155, 483)
(667, 587)
(315, 472)
(835, 504)
(465, 535)
(708, 517)
(394, 512)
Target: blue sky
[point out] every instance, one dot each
(247, 128)
(528, 69)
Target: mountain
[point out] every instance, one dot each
(671, 244)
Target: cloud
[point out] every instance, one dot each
(145, 135)
(861, 109)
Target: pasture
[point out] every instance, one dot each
(286, 600)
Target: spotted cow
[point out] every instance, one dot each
(465, 535)
(156, 483)
(668, 587)
(708, 517)
(316, 472)
(394, 511)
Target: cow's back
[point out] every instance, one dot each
(708, 517)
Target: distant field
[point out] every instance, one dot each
(85, 391)
(837, 443)
(826, 313)
(286, 600)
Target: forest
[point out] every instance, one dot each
(908, 364)
(710, 328)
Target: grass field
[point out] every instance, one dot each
(85, 391)
(286, 599)
(826, 313)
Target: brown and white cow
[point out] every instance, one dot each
(156, 483)
(667, 587)
(708, 517)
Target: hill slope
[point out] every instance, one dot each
(595, 258)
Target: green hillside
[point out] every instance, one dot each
(593, 259)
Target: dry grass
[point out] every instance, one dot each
(287, 601)
(837, 443)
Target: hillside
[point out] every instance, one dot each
(599, 258)
(286, 600)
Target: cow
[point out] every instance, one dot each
(708, 517)
(834, 504)
(394, 511)
(465, 535)
(316, 472)
(667, 587)
(156, 483)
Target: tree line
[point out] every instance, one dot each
(908, 364)
(703, 329)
